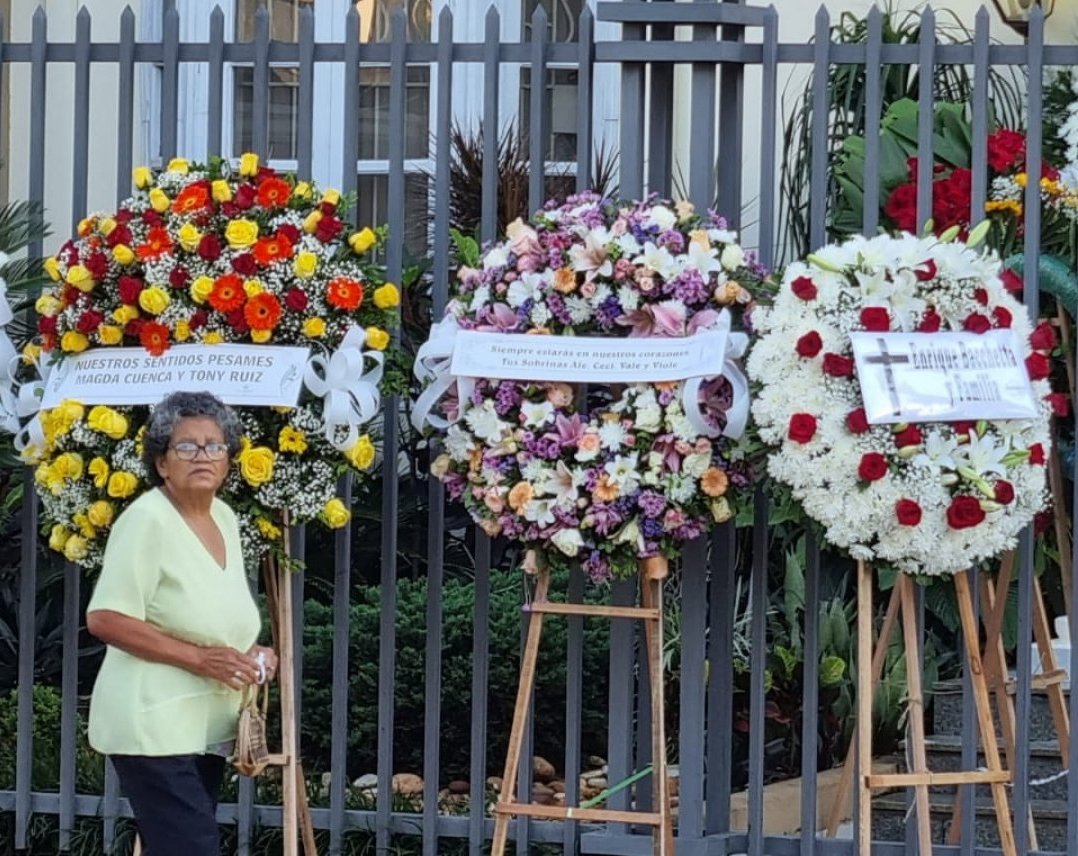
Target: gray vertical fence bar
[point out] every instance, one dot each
(538, 115)
(820, 117)
(491, 80)
(810, 697)
(731, 117)
(619, 725)
(768, 136)
(342, 590)
(720, 709)
(574, 702)
(585, 94)
(170, 73)
(215, 79)
(305, 96)
(387, 643)
(925, 64)
(757, 701)
(110, 805)
(81, 118)
(631, 153)
(260, 98)
(125, 104)
(350, 136)
(702, 127)
(870, 214)
(694, 572)
(69, 699)
(661, 112)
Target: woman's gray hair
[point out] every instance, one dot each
(185, 405)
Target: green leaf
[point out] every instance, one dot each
(832, 671)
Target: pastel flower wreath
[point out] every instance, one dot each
(604, 476)
(931, 498)
(205, 255)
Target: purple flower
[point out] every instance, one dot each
(651, 528)
(603, 518)
(596, 567)
(651, 503)
(690, 288)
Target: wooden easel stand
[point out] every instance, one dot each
(652, 573)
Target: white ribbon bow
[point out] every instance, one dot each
(432, 365)
(737, 416)
(349, 391)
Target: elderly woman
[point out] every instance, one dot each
(173, 605)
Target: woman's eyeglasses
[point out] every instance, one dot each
(189, 451)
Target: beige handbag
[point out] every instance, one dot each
(252, 751)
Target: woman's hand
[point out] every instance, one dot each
(269, 661)
(227, 665)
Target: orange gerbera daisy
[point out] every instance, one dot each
(262, 312)
(273, 192)
(269, 250)
(154, 337)
(157, 244)
(194, 197)
(344, 293)
(227, 293)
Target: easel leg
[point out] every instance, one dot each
(865, 690)
(520, 716)
(845, 785)
(915, 712)
(651, 597)
(1054, 690)
(984, 711)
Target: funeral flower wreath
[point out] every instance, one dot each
(208, 255)
(592, 473)
(929, 498)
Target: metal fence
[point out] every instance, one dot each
(727, 48)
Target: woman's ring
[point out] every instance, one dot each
(237, 675)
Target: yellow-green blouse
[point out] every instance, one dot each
(156, 569)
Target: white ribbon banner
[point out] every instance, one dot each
(349, 391)
(247, 375)
(456, 357)
(942, 377)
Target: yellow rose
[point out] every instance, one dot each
(58, 536)
(182, 331)
(256, 464)
(85, 227)
(68, 466)
(331, 196)
(312, 221)
(213, 337)
(99, 471)
(362, 240)
(361, 454)
(301, 191)
(159, 200)
(140, 435)
(142, 177)
(31, 353)
(306, 264)
(65, 415)
(292, 440)
(241, 233)
(386, 296)
(47, 305)
(124, 313)
(75, 548)
(122, 484)
(109, 334)
(100, 513)
(267, 529)
(314, 328)
(251, 287)
(52, 268)
(201, 288)
(153, 300)
(107, 421)
(123, 254)
(73, 342)
(336, 514)
(189, 236)
(248, 164)
(221, 191)
(85, 527)
(377, 338)
(260, 337)
(178, 165)
(106, 226)
(80, 277)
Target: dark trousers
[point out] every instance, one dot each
(174, 798)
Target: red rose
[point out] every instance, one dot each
(178, 277)
(964, 512)
(873, 466)
(209, 247)
(245, 264)
(1038, 365)
(1006, 149)
(129, 288)
(97, 264)
(120, 235)
(1036, 455)
(89, 321)
(327, 208)
(46, 324)
(809, 345)
(837, 365)
(804, 288)
(963, 426)
(151, 218)
(289, 231)
(911, 436)
(857, 421)
(951, 200)
(124, 215)
(977, 323)
(901, 207)
(244, 197)
(69, 295)
(1004, 492)
(1043, 337)
(930, 321)
(327, 229)
(981, 296)
(908, 512)
(237, 321)
(295, 299)
(1058, 402)
(802, 427)
(1042, 522)
(926, 270)
(1002, 317)
(134, 327)
(876, 319)
(1012, 282)
(198, 319)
